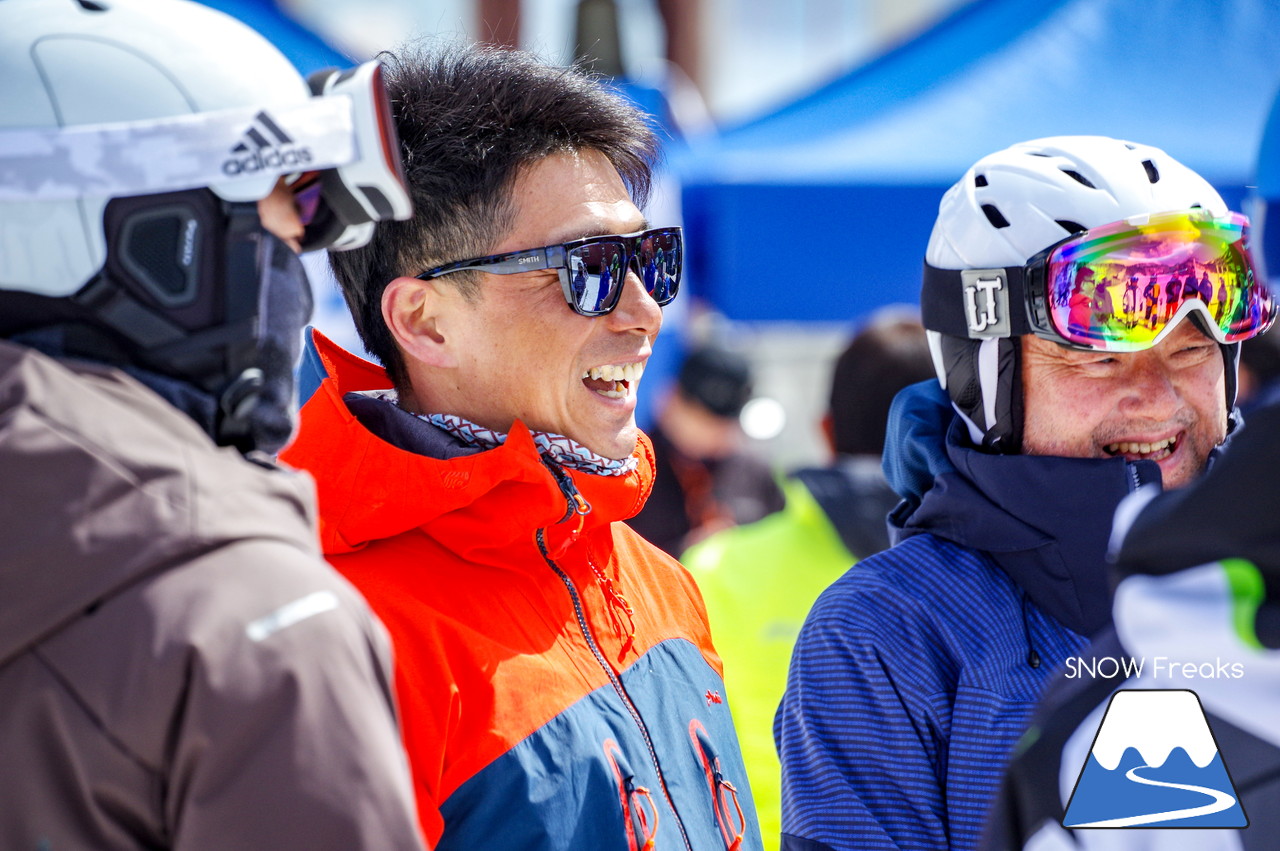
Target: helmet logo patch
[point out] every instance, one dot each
(986, 303)
(265, 145)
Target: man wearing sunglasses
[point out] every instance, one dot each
(555, 673)
(179, 668)
(916, 671)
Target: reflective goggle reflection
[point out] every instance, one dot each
(1120, 287)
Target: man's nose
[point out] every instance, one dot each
(636, 310)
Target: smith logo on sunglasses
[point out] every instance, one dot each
(1119, 288)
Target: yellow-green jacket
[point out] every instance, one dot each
(759, 581)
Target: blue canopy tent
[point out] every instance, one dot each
(822, 209)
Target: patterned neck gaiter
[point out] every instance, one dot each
(564, 451)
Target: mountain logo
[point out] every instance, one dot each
(1154, 763)
(265, 145)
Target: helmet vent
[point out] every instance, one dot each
(1079, 178)
(994, 216)
(1070, 226)
(91, 5)
(979, 180)
(1152, 174)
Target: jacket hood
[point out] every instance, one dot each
(106, 483)
(1045, 520)
(915, 451)
(382, 472)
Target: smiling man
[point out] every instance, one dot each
(555, 673)
(916, 671)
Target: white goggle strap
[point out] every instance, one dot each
(375, 181)
(177, 153)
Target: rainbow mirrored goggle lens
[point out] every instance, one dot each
(1122, 286)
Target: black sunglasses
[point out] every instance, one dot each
(593, 270)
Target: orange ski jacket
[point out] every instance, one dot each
(556, 677)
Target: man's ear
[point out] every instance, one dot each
(828, 426)
(414, 311)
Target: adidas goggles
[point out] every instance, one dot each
(1120, 287)
(338, 152)
(593, 270)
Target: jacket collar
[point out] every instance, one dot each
(385, 473)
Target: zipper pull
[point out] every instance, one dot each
(575, 506)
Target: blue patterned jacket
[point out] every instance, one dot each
(917, 670)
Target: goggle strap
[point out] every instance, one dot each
(975, 304)
(175, 153)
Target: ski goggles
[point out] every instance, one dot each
(340, 206)
(343, 138)
(593, 270)
(1120, 287)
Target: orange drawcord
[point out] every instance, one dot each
(742, 819)
(615, 602)
(649, 834)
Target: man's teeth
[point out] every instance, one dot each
(628, 372)
(1141, 448)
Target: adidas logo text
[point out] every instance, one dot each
(265, 146)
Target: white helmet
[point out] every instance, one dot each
(1010, 206)
(88, 62)
(136, 138)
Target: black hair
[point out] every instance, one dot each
(470, 119)
(886, 356)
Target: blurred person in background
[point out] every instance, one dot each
(759, 580)
(553, 667)
(1197, 576)
(179, 668)
(917, 670)
(707, 479)
(1259, 369)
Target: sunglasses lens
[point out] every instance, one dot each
(661, 258)
(1116, 288)
(596, 273)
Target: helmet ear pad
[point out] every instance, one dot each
(164, 251)
(984, 380)
(1231, 376)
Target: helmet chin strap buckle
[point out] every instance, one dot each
(235, 409)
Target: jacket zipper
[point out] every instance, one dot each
(571, 494)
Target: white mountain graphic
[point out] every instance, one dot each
(1154, 722)
(1154, 762)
